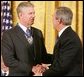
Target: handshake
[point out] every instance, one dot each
(39, 69)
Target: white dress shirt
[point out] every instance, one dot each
(23, 27)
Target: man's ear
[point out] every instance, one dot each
(20, 15)
(61, 21)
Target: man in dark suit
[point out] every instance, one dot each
(23, 46)
(67, 56)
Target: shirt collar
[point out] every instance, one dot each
(59, 34)
(23, 27)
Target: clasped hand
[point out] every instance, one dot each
(39, 69)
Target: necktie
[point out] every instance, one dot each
(29, 36)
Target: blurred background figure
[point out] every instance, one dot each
(4, 69)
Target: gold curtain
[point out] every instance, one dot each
(43, 21)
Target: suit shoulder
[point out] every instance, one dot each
(74, 37)
(9, 31)
(70, 35)
(35, 29)
(37, 32)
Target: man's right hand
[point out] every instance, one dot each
(38, 69)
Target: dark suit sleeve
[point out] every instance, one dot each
(64, 60)
(8, 54)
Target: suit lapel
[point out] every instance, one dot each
(56, 46)
(20, 33)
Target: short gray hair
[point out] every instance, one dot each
(22, 5)
(65, 15)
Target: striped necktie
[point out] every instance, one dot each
(29, 36)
